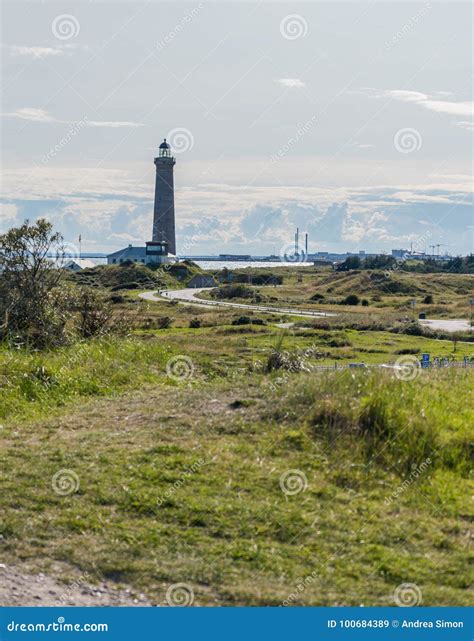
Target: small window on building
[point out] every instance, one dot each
(143, 260)
(114, 260)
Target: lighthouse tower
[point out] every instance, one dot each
(163, 215)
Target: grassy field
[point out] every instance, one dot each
(252, 487)
(384, 292)
(184, 484)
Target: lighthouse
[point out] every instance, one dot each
(163, 213)
(162, 248)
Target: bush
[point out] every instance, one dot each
(413, 329)
(95, 316)
(232, 291)
(365, 302)
(352, 299)
(164, 322)
(428, 300)
(407, 350)
(117, 288)
(242, 320)
(33, 309)
(284, 360)
(194, 323)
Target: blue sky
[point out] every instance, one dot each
(351, 120)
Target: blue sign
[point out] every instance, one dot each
(236, 624)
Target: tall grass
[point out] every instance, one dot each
(390, 421)
(33, 383)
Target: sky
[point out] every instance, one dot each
(352, 121)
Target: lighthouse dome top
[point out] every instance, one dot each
(165, 149)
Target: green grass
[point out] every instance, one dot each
(35, 383)
(226, 528)
(388, 293)
(182, 482)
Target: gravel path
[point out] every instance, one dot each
(447, 325)
(188, 296)
(18, 588)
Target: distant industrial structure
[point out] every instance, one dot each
(162, 247)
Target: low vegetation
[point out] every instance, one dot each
(376, 498)
(205, 446)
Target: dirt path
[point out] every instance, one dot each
(18, 588)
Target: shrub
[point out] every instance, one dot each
(284, 360)
(352, 299)
(117, 288)
(428, 300)
(195, 323)
(232, 291)
(32, 309)
(164, 322)
(413, 329)
(408, 350)
(365, 302)
(242, 320)
(95, 316)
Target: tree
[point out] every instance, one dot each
(94, 314)
(351, 262)
(28, 279)
(352, 299)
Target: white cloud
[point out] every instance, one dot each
(104, 123)
(34, 52)
(465, 124)
(37, 52)
(291, 82)
(33, 114)
(464, 108)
